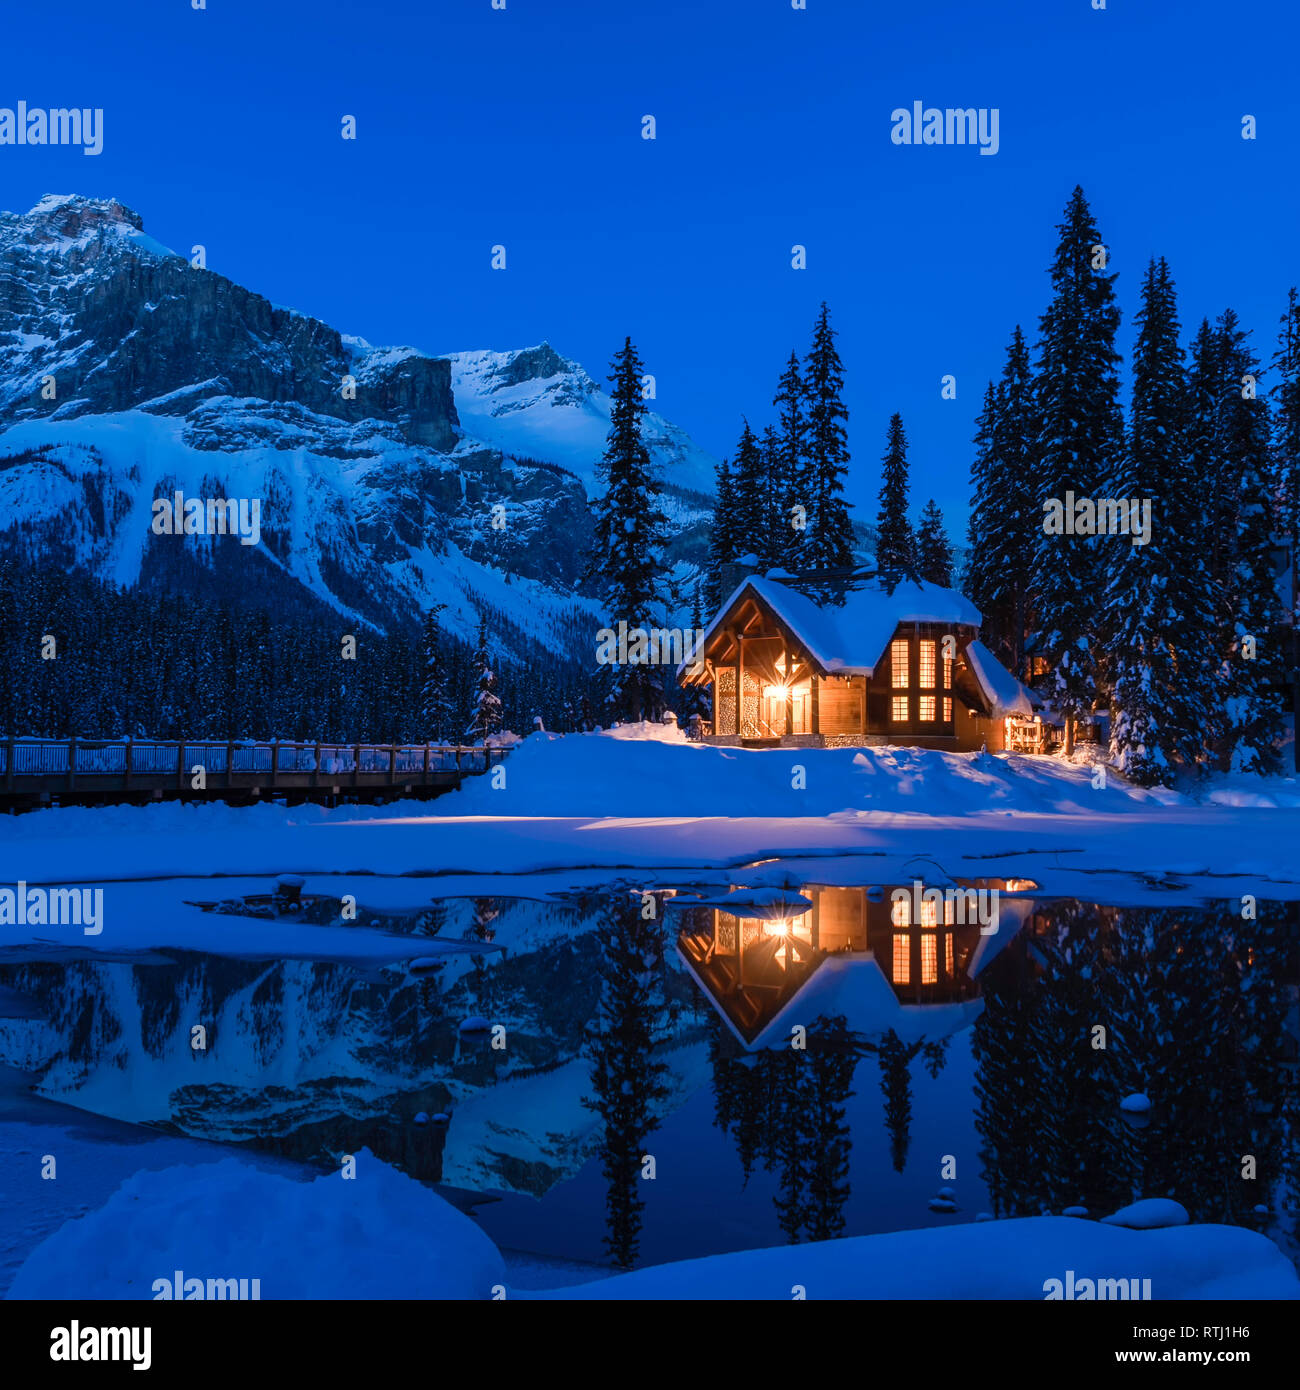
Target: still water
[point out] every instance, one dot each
(626, 1078)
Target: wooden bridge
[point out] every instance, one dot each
(75, 771)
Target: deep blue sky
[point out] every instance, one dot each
(523, 127)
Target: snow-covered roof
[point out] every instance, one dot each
(850, 640)
(1003, 691)
(853, 986)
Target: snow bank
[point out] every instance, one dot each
(983, 1260)
(379, 1235)
(623, 772)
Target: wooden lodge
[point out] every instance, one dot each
(905, 667)
(854, 952)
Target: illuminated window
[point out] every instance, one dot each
(900, 912)
(927, 709)
(929, 959)
(929, 912)
(898, 709)
(902, 963)
(898, 663)
(949, 914)
(947, 709)
(947, 954)
(947, 673)
(926, 663)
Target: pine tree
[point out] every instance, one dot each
(1255, 663)
(828, 543)
(1080, 439)
(895, 543)
(628, 1080)
(722, 535)
(934, 550)
(486, 719)
(630, 535)
(1005, 519)
(435, 705)
(1286, 448)
(1160, 620)
(749, 494)
(772, 541)
(791, 478)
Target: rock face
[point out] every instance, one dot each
(119, 321)
(126, 373)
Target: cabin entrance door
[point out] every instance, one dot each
(773, 712)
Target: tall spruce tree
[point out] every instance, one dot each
(723, 542)
(933, 549)
(1080, 440)
(1255, 664)
(435, 696)
(791, 477)
(1159, 614)
(1005, 521)
(486, 718)
(749, 494)
(828, 543)
(1286, 449)
(895, 543)
(630, 535)
(772, 541)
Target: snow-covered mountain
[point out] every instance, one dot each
(535, 403)
(127, 374)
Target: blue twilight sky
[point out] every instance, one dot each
(523, 126)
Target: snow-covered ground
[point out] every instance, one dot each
(382, 1235)
(583, 808)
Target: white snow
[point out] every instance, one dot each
(1149, 1214)
(982, 1260)
(378, 1235)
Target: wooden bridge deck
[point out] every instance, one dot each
(36, 772)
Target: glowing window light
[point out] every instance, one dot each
(902, 961)
(898, 709)
(929, 959)
(926, 664)
(927, 709)
(898, 663)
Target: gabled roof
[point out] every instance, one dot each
(1004, 693)
(849, 641)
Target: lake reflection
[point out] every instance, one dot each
(807, 1066)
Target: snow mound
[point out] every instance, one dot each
(380, 1235)
(982, 1260)
(653, 770)
(1149, 1215)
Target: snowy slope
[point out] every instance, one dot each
(377, 497)
(533, 403)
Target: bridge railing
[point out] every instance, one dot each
(262, 761)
